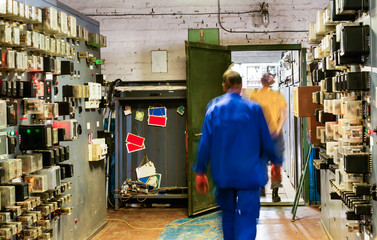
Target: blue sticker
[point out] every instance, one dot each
(157, 111)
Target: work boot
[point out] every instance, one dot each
(263, 192)
(275, 196)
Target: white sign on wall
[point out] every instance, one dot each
(159, 61)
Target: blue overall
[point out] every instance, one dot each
(235, 138)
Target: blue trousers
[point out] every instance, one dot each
(240, 210)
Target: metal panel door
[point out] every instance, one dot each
(205, 65)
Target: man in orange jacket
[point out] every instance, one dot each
(274, 109)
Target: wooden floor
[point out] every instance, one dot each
(148, 223)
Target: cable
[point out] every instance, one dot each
(161, 228)
(267, 31)
(114, 14)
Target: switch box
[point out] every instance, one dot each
(35, 137)
(97, 150)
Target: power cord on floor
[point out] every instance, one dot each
(162, 228)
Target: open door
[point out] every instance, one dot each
(205, 65)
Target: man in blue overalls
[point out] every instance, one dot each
(235, 136)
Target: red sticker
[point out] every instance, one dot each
(135, 139)
(133, 148)
(157, 121)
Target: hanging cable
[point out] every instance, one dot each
(115, 14)
(267, 31)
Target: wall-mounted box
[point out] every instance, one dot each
(97, 150)
(35, 137)
(37, 183)
(303, 105)
(48, 157)
(50, 111)
(62, 24)
(68, 169)
(53, 176)
(3, 114)
(8, 195)
(21, 190)
(31, 162)
(94, 40)
(72, 27)
(33, 106)
(3, 145)
(70, 127)
(6, 37)
(50, 20)
(354, 41)
(8, 167)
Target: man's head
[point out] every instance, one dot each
(267, 79)
(231, 79)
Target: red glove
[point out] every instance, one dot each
(202, 184)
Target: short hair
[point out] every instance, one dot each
(233, 77)
(266, 78)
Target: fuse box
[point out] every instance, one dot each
(31, 162)
(35, 137)
(37, 183)
(70, 127)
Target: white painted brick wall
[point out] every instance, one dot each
(132, 38)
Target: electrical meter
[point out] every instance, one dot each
(35, 137)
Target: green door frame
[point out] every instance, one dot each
(273, 47)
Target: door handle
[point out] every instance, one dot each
(198, 134)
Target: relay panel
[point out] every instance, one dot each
(341, 50)
(49, 62)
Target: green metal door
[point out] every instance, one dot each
(205, 65)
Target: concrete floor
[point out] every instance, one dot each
(275, 223)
